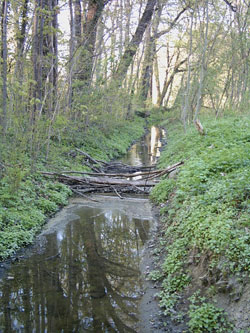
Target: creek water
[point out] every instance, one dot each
(83, 273)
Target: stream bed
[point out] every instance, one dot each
(83, 274)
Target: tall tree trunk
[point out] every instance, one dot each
(17, 101)
(202, 69)
(37, 57)
(120, 22)
(186, 106)
(77, 23)
(45, 56)
(4, 54)
(157, 78)
(133, 45)
(22, 32)
(97, 69)
(146, 66)
(71, 53)
(88, 40)
(150, 53)
(53, 54)
(128, 13)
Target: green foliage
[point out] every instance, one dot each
(155, 275)
(95, 141)
(205, 317)
(161, 192)
(24, 212)
(208, 205)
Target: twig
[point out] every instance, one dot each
(117, 192)
(83, 195)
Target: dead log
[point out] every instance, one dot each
(149, 174)
(91, 159)
(100, 182)
(95, 181)
(111, 177)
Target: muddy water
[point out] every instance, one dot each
(83, 274)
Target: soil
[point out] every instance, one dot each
(152, 318)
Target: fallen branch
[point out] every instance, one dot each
(83, 195)
(101, 182)
(154, 174)
(87, 156)
(117, 193)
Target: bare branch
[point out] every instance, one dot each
(232, 7)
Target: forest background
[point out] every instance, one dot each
(120, 56)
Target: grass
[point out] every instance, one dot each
(207, 208)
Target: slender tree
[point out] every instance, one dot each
(4, 55)
(133, 45)
(203, 64)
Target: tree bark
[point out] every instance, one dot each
(203, 62)
(86, 55)
(186, 107)
(133, 45)
(77, 22)
(22, 32)
(146, 66)
(4, 54)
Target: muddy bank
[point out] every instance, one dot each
(152, 318)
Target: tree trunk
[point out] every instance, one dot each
(186, 107)
(22, 32)
(169, 81)
(4, 54)
(86, 53)
(71, 53)
(77, 22)
(146, 66)
(202, 70)
(133, 45)
(157, 78)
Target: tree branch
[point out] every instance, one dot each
(163, 32)
(233, 7)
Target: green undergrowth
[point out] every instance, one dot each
(27, 198)
(100, 143)
(206, 210)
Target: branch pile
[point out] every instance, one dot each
(112, 177)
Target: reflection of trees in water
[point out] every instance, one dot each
(87, 281)
(146, 152)
(142, 227)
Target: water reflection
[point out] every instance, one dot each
(87, 277)
(86, 280)
(147, 150)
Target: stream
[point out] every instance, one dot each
(83, 272)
